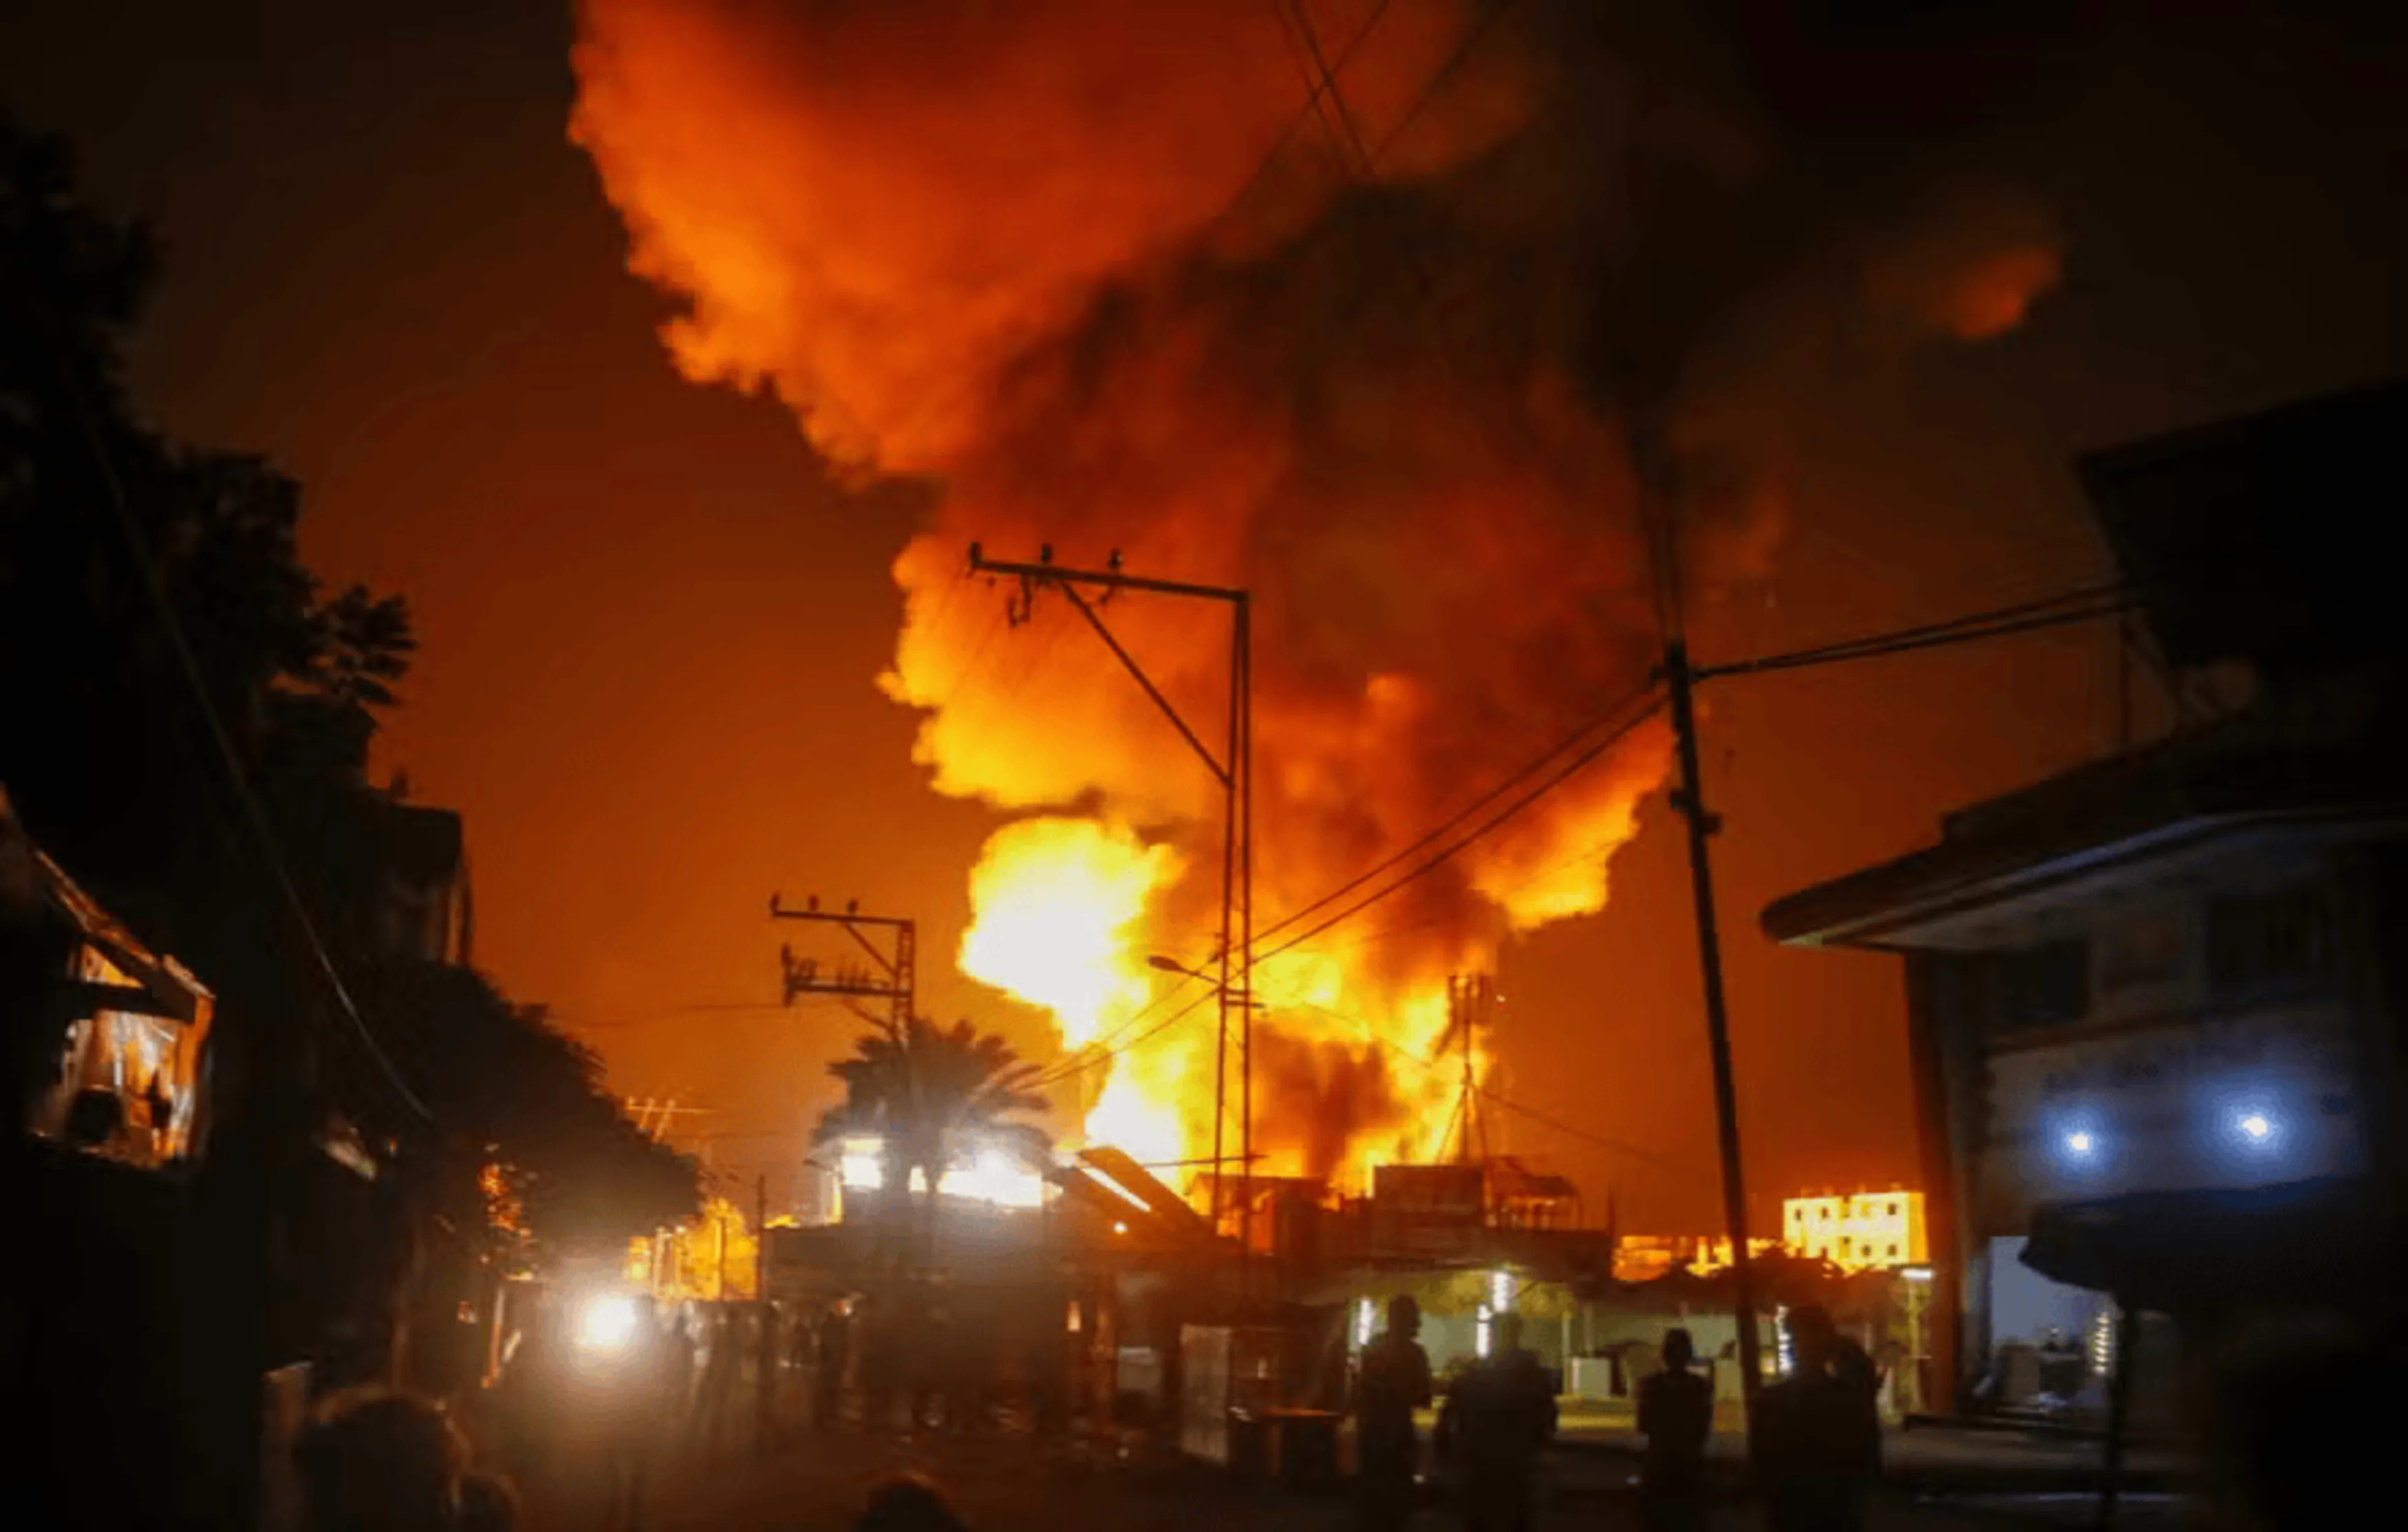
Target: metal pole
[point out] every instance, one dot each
(1241, 706)
(765, 1366)
(1228, 903)
(1691, 802)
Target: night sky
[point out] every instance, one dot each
(651, 625)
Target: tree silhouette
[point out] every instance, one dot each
(929, 1093)
(519, 1112)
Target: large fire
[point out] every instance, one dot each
(1102, 271)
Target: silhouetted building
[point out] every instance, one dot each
(421, 904)
(2152, 1002)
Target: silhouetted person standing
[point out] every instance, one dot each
(835, 1351)
(1676, 1415)
(1505, 1411)
(1820, 1441)
(1394, 1382)
(717, 1392)
(675, 1386)
(909, 1504)
(381, 1462)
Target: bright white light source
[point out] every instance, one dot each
(1119, 1228)
(861, 1166)
(1479, 1333)
(1363, 1313)
(608, 1322)
(2256, 1127)
(2080, 1143)
(995, 1178)
(1500, 1291)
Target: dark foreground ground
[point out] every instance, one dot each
(1010, 1482)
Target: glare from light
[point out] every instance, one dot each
(862, 1167)
(1119, 1228)
(608, 1322)
(1917, 1273)
(2256, 1127)
(1500, 1291)
(994, 1178)
(1362, 1313)
(1480, 1333)
(2078, 1142)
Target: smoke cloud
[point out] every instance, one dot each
(1101, 271)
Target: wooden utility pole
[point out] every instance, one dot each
(765, 1367)
(1690, 801)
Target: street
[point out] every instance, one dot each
(1004, 1482)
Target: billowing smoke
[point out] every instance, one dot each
(1104, 271)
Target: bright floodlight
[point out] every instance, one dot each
(2256, 1127)
(2078, 1142)
(608, 1322)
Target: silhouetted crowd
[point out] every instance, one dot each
(2293, 1425)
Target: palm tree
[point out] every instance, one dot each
(928, 1092)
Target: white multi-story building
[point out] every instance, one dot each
(1856, 1231)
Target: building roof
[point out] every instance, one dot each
(2250, 541)
(2097, 822)
(2259, 539)
(418, 844)
(30, 875)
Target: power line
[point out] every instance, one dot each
(1087, 1058)
(1371, 1035)
(254, 812)
(1311, 107)
(1388, 933)
(1549, 784)
(1498, 789)
(2024, 617)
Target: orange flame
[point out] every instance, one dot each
(1107, 272)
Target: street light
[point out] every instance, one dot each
(1172, 964)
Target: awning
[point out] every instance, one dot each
(2317, 1240)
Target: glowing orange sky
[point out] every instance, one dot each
(650, 632)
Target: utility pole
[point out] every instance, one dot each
(1233, 768)
(765, 1367)
(899, 967)
(1466, 1002)
(1690, 801)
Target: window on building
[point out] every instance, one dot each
(2274, 944)
(2043, 986)
(1893, 1252)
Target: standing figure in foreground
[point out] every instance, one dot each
(1504, 1409)
(1394, 1382)
(1676, 1415)
(1820, 1431)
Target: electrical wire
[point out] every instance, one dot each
(1433, 863)
(2024, 617)
(1446, 1067)
(1504, 786)
(1088, 1058)
(254, 811)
